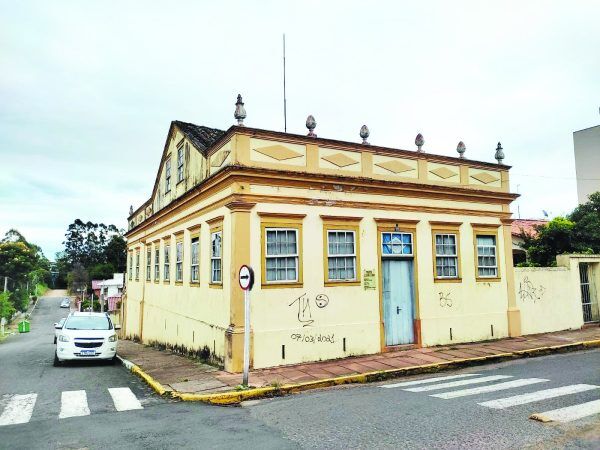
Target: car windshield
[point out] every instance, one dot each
(88, 323)
(62, 321)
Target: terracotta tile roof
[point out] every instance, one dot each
(202, 137)
(96, 284)
(526, 225)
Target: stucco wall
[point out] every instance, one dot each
(548, 298)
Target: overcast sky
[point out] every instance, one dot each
(88, 90)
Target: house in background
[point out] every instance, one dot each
(356, 248)
(587, 161)
(518, 227)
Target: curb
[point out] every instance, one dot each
(158, 388)
(236, 397)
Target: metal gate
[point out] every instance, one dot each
(589, 301)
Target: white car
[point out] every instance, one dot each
(66, 303)
(86, 335)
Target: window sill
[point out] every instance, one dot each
(343, 283)
(156, 281)
(179, 283)
(447, 280)
(293, 284)
(194, 284)
(216, 285)
(166, 281)
(179, 182)
(488, 280)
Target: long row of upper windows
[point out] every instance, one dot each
(282, 255)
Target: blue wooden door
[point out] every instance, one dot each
(398, 304)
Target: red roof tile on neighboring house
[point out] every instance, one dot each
(526, 225)
(96, 284)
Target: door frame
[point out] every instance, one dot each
(398, 226)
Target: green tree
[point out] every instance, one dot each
(103, 271)
(116, 253)
(586, 232)
(6, 307)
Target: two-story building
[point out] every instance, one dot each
(356, 248)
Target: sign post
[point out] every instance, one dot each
(246, 279)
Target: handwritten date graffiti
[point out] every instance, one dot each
(304, 311)
(313, 338)
(527, 290)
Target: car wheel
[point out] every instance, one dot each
(57, 362)
(114, 360)
(54, 339)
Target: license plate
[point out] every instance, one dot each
(87, 352)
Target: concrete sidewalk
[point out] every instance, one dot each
(182, 375)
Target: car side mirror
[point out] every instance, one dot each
(117, 327)
(57, 326)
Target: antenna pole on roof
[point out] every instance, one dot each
(284, 98)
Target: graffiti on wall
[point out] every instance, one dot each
(303, 307)
(528, 291)
(445, 299)
(313, 338)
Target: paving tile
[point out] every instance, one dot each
(356, 367)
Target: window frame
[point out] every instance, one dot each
(168, 174)
(148, 262)
(287, 255)
(130, 264)
(179, 258)
(195, 240)
(446, 228)
(156, 253)
(216, 230)
(486, 230)
(180, 163)
(137, 264)
(167, 260)
(281, 221)
(341, 224)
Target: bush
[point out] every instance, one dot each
(6, 308)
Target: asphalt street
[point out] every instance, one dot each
(480, 407)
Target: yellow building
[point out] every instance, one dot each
(356, 248)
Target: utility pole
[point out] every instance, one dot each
(5, 284)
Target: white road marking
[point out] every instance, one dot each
(73, 404)
(18, 409)
(453, 384)
(569, 413)
(124, 399)
(536, 396)
(490, 388)
(429, 380)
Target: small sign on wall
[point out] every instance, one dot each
(370, 282)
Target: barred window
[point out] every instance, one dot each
(195, 260)
(179, 261)
(341, 255)
(168, 176)
(148, 263)
(180, 154)
(487, 264)
(281, 254)
(396, 244)
(446, 256)
(216, 244)
(156, 264)
(167, 265)
(137, 265)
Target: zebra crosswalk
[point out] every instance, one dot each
(471, 384)
(19, 408)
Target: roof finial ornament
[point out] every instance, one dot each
(461, 148)
(419, 142)
(364, 134)
(240, 111)
(499, 154)
(131, 210)
(311, 124)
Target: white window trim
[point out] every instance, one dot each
(214, 258)
(349, 255)
(180, 152)
(156, 264)
(495, 247)
(455, 256)
(167, 264)
(148, 264)
(179, 261)
(291, 255)
(195, 242)
(167, 176)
